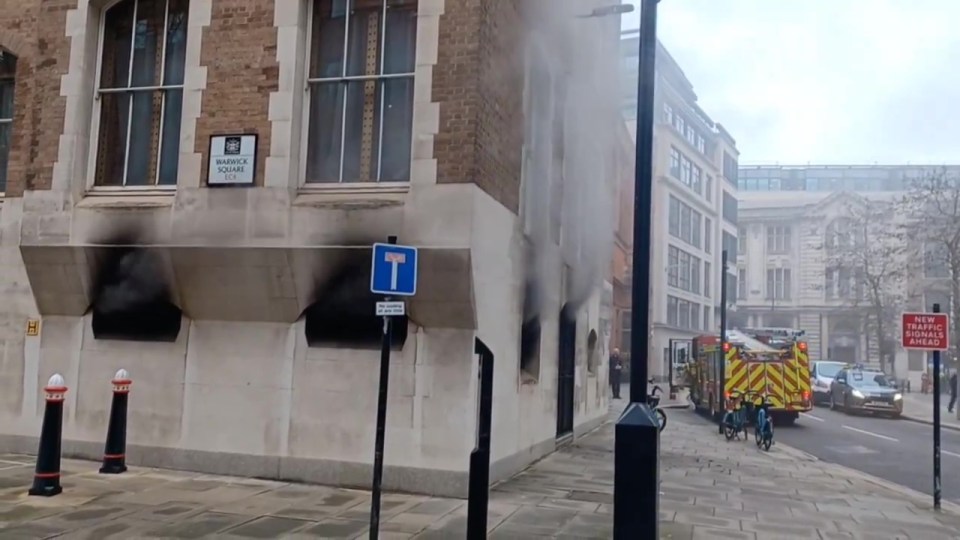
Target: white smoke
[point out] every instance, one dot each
(581, 56)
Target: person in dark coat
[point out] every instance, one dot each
(616, 368)
(953, 391)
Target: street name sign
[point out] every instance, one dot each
(394, 270)
(925, 331)
(233, 160)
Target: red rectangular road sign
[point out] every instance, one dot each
(925, 331)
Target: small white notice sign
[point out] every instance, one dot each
(391, 309)
(233, 160)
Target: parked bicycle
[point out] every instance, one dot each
(763, 425)
(654, 400)
(735, 419)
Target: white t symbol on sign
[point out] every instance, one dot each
(395, 259)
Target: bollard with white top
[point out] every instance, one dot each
(114, 453)
(46, 478)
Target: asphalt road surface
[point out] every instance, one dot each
(899, 451)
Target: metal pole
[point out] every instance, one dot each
(642, 205)
(936, 423)
(722, 375)
(637, 434)
(381, 421)
(479, 483)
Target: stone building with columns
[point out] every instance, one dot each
(190, 189)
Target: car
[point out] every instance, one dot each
(821, 375)
(866, 390)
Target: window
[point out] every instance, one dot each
(730, 168)
(678, 123)
(729, 208)
(778, 283)
(701, 146)
(741, 283)
(674, 162)
(706, 279)
(696, 180)
(691, 136)
(778, 239)
(361, 91)
(841, 234)
(667, 113)
(742, 240)
(683, 270)
(684, 222)
(706, 319)
(709, 190)
(730, 245)
(8, 68)
(829, 283)
(707, 235)
(673, 216)
(685, 170)
(140, 93)
(683, 314)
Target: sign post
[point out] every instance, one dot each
(393, 272)
(929, 332)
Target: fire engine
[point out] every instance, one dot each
(771, 361)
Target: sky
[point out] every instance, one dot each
(823, 81)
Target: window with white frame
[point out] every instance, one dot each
(778, 283)
(778, 238)
(360, 113)
(8, 69)
(667, 113)
(709, 188)
(701, 144)
(140, 92)
(741, 284)
(706, 280)
(696, 181)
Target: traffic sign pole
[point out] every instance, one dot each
(936, 423)
(382, 402)
(929, 332)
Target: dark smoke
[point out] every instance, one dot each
(132, 298)
(343, 313)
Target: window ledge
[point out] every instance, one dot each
(128, 197)
(353, 195)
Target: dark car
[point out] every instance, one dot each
(867, 390)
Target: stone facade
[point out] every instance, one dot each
(239, 388)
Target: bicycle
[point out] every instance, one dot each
(654, 400)
(763, 426)
(735, 420)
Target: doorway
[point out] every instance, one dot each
(566, 367)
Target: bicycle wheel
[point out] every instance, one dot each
(661, 418)
(758, 434)
(768, 437)
(729, 430)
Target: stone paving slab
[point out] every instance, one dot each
(710, 489)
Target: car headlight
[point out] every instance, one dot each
(857, 394)
(897, 397)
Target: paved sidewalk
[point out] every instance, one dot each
(919, 408)
(711, 489)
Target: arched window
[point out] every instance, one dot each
(140, 92)
(8, 70)
(360, 113)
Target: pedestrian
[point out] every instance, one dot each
(953, 391)
(616, 367)
(924, 382)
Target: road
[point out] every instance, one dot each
(899, 451)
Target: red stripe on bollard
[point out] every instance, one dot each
(46, 480)
(114, 453)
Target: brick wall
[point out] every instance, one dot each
(34, 32)
(478, 81)
(239, 50)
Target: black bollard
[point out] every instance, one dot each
(114, 453)
(46, 479)
(479, 495)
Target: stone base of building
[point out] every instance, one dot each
(434, 482)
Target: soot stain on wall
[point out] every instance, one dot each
(132, 299)
(343, 314)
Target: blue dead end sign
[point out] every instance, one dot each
(393, 270)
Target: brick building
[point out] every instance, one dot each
(478, 130)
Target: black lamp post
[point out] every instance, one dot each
(637, 437)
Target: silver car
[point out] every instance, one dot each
(821, 375)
